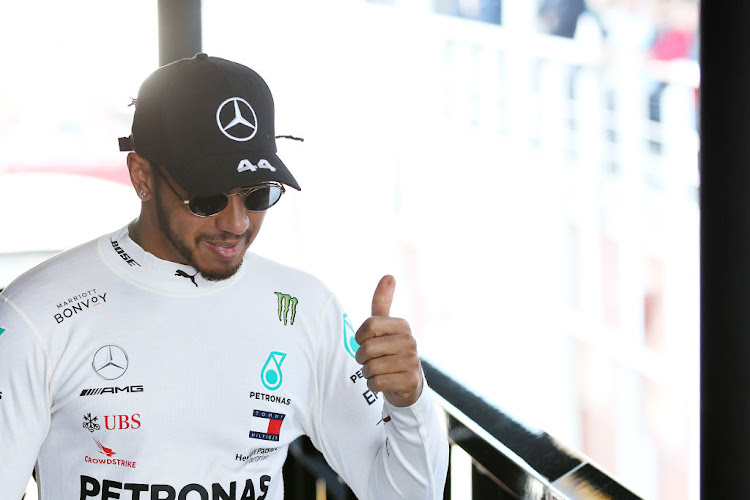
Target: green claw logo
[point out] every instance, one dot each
(286, 304)
(2, 330)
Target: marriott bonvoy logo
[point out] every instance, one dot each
(76, 304)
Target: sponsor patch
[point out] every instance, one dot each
(77, 304)
(286, 307)
(266, 425)
(271, 375)
(350, 342)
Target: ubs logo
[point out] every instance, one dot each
(110, 362)
(112, 422)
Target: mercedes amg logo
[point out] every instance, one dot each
(237, 122)
(110, 362)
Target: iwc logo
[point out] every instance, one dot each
(236, 119)
(110, 362)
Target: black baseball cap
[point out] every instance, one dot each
(210, 123)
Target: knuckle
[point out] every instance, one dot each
(361, 354)
(411, 343)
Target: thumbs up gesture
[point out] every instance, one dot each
(388, 351)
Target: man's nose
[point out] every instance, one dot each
(233, 219)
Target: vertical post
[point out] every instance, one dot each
(725, 249)
(179, 29)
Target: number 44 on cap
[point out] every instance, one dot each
(248, 165)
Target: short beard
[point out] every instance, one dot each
(185, 252)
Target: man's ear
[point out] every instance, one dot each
(141, 176)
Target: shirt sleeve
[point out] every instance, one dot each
(24, 400)
(381, 451)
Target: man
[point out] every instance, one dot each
(163, 362)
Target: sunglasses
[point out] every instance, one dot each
(257, 198)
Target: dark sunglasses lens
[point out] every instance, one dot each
(263, 198)
(205, 206)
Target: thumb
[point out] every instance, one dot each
(383, 296)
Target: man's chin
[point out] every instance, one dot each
(219, 273)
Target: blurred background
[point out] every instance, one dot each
(527, 169)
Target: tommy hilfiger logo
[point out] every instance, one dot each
(182, 273)
(286, 305)
(266, 425)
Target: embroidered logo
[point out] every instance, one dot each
(350, 342)
(266, 425)
(103, 449)
(287, 306)
(271, 375)
(236, 114)
(110, 362)
(246, 164)
(182, 273)
(89, 423)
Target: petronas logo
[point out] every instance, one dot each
(350, 341)
(271, 375)
(287, 307)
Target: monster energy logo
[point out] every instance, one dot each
(286, 304)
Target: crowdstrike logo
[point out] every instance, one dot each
(109, 461)
(237, 119)
(110, 362)
(286, 304)
(103, 449)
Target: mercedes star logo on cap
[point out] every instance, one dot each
(110, 362)
(243, 123)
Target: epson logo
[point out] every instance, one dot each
(111, 390)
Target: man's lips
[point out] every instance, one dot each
(224, 249)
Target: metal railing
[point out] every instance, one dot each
(508, 460)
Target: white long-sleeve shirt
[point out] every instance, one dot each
(123, 376)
